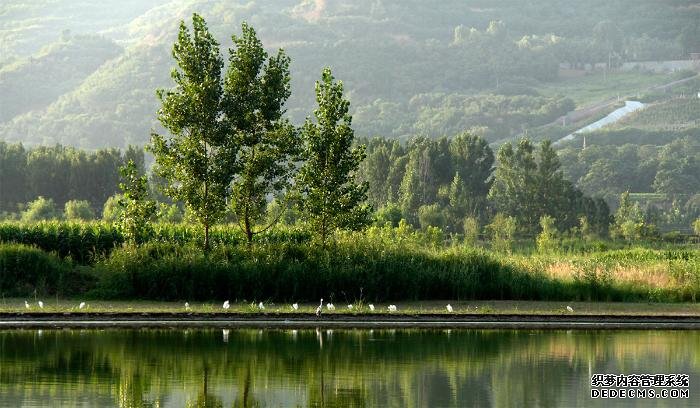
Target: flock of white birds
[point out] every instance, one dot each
(319, 310)
(295, 306)
(39, 303)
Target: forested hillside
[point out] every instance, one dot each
(423, 79)
(412, 68)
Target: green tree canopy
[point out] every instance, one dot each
(199, 159)
(331, 197)
(256, 88)
(137, 208)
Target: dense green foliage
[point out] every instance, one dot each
(453, 173)
(198, 160)
(137, 208)
(380, 264)
(86, 241)
(78, 240)
(529, 186)
(256, 89)
(441, 182)
(78, 210)
(24, 269)
(330, 197)
(671, 171)
(60, 174)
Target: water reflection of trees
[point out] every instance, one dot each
(353, 368)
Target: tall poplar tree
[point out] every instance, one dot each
(331, 196)
(138, 209)
(198, 161)
(256, 88)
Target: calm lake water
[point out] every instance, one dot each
(338, 368)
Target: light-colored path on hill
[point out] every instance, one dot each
(614, 116)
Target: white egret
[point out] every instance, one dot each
(570, 309)
(187, 306)
(330, 306)
(81, 305)
(392, 308)
(26, 304)
(41, 304)
(371, 307)
(449, 308)
(261, 306)
(295, 306)
(226, 305)
(319, 309)
(349, 307)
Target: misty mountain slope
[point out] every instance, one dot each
(409, 67)
(34, 82)
(26, 26)
(108, 108)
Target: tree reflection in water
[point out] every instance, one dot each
(351, 368)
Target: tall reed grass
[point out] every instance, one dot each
(380, 263)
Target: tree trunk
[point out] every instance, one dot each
(206, 237)
(249, 234)
(248, 229)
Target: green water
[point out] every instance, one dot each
(338, 368)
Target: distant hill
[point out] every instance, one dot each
(32, 83)
(410, 67)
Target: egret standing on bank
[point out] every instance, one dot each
(319, 309)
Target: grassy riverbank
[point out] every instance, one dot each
(433, 307)
(380, 265)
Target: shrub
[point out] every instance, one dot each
(111, 212)
(390, 214)
(169, 213)
(431, 216)
(547, 239)
(138, 209)
(26, 270)
(78, 210)
(41, 209)
(502, 230)
(79, 240)
(587, 233)
(353, 267)
(471, 230)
